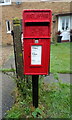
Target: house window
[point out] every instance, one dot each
(8, 26)
(65, 23)
(1, 1)
(5, 2)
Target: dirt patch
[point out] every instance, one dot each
(5, 53)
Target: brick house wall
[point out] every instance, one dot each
(14, 10)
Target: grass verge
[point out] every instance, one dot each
(60, 58)
(7, 70)
(54, 102)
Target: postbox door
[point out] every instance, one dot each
(37, 56)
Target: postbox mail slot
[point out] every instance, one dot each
(37, 23)
(37, 29)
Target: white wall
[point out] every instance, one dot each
(71, 22)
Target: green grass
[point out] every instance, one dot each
(60, 58)
(54, 102)
(7, 70)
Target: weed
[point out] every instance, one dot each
(37, 113)
(56, 76)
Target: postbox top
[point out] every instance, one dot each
(37, 10)
(37, 14)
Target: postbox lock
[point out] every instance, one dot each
(36, 41)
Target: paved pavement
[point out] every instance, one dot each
(5, 53)
(0, 96)
(65, 78)
(7, 85)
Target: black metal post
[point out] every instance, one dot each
(35, 90)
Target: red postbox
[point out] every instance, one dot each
(36, 41)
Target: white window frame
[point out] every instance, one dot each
(8, 31)
(60, 23)
(5, 3)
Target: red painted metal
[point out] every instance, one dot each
(36, 26)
